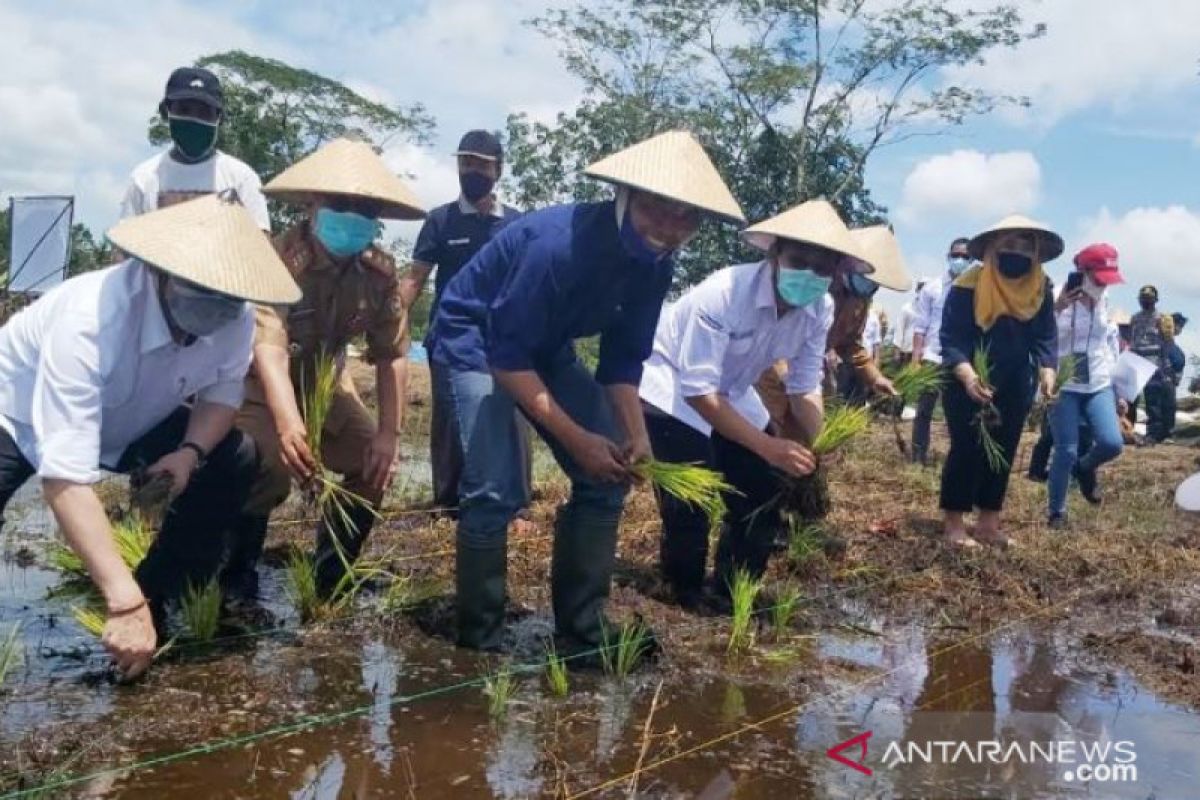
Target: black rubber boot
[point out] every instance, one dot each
(240, 577)
(331, 560)
(480, 574)
(585, 550)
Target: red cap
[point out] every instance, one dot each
(1100, 261)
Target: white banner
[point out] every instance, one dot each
(41, 242)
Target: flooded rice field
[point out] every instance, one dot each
(897, 650)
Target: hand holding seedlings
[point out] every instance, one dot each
(295, 452)
(178, 466)
(1048, 382)
(635, 451)
(599, 457)
(130, 638)
(788, 456)
(977, 390)
(884, 386)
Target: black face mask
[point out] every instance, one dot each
(475, 186)
(1013, 265)
(1147, 304)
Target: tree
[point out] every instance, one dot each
(790, 97)
(276, 114)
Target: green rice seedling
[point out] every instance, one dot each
(915, 380)
(201, 610)
(11, 652)
(89, 619)
(65, 560)
(556, 673)
(808, 496)
(806, 542)
(621, 650)
(988, 417)
(787, 601)
(743, 590)
(131, 536)
(301, 585)
(695, 485)
(499, 688)
(406, 591)
(1066, 372)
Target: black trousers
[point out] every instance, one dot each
(192, 539)
(922, 422)
(1039, 458)
(968, 482)
(1159, 395)
(751, 521)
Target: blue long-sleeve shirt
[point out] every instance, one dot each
(1012, 345)
(549, 278)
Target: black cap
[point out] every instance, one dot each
(194, 83)
(1148, 291)
(481, 144)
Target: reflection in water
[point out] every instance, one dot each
(380, 669)
(616, 703)
(513, 758)
(324, 782)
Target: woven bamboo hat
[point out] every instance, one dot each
(881, 250)
(213, 242)
(1049, 243)
(672, 165)
(815, 222)
(350, 169)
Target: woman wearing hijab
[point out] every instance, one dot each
(1004, 308)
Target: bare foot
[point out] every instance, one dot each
(994, 537)
(959, 539)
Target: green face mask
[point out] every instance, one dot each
(194, 138)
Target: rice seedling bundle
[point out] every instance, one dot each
(987, 419)
(499, 689)
(808, 497)
(621, 653)
(301, 585)
(201, 610)
(11, 654)
(697, 486)
(1065, 373)
(743, 590)
(556, 673)
(131, 536)
(89, 619)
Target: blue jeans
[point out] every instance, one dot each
(492, 489)
(1100, 411)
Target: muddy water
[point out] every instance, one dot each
(387, 720)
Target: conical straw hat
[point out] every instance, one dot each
(815, 222)
(881, 250)
(1119, 316)
(1050, 244)
(351, 169)
(213, 242)
(672, 165)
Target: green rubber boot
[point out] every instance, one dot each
(480, 577)
(585, 550)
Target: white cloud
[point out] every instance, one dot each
(970, 186)
(1110, 53)
(1160, 246)
(432, 175)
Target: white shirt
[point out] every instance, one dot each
(720, 336)
(872, 336)
(928, 323)
(162, 181)
(91, 367)
(1088, 333)
(902, 337)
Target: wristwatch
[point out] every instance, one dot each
(198, 450)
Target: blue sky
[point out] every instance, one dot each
(1109, 151)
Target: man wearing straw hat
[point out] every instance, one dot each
(505, 329)
(698, 393)
(100, 373)
(350, 289)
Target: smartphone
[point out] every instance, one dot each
(1074, 282)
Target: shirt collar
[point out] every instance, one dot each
(764, 292)
(466, 207)
(155, 331)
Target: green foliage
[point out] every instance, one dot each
(790, 97)
(201, 610)
(499, 689)
(622, 652)
(556, 673)
(276, 114)
(744, 591)
(698, 487)
(11, 652)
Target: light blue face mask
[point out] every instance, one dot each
(957, 265)
(198, 311)
(344, 233)
(800, 287)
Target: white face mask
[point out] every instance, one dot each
(1092, 289)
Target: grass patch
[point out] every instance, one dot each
(499, 689)
(556, 673)
(697, 486)
(623, 649)
(12, 654)
(743, 591)
(200, 609)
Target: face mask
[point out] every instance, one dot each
(197, 311)
(1147, 304)
(1013, 265)
(800, 287)
(344, 233)
(957, 265)
(633, 242)
(194, 139)
(475, 186)
(1091, 288)
(861, 286)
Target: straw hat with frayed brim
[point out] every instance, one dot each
(348, 169)
(815, 222)
(1050, 244)
(672, 165)
(213, 242)
(881, 250)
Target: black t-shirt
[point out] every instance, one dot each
(449, 238)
